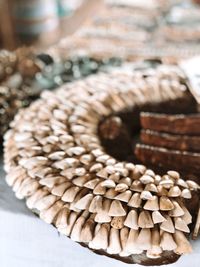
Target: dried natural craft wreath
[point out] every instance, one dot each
(54, 158)
(25, 73)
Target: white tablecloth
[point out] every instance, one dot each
(26, 241)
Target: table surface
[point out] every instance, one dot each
(25, 240)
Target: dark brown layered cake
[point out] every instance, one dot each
(70, 155)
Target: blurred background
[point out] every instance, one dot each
(45, 22)
(40, 22)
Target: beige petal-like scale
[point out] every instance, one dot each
(96, 204)
(114, 242)
(135, 201)
(144, 239)
(132, 220)
(174, 192)
(145, 220)
(116, 209)
(166, 203)
(45, 202)
(124, 233)
(49, 215)
(84, 202)
(124, 196)
(62, 218)
(108, 184)
(167, 242)
(131, 246)
(101, 238)
(71, 221)
(87, 232)
(152, 204)
(155, 251)
(59, 190)
(76, 231)
(157, 217)
(102, 215)
(187, 217)
(30, 202)
(92, 183)
(70, 194)
(181, 225)
(167, 225)
(177, 211)
(183, 245)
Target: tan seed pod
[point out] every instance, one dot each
(116, 209)
(101, 238)
(131, 220)
(108, 184)
(167, 241)
(124, 196)
(87, 231)
(135, 201)
(114, 242)
(174, 192)
(62, 218)
(176, 211)
(152, 204)
(174, 174)
(49, 215)
(155, 251)
(102, 215)
(30, 202)
(76, 230)
(84, 202)
(124, 232)
(144, 239)
(166, 204)
(45, 202)
(181, 225)
(137, 186)
(146, 195)
(131, 246)
(92, 183)
(96, 204)
(70, 194)
(118, 222)
(157, 217)
(99, 189)
(121, 187)
(146, 179)
(183, 245)
(111, 193)
(145, 220)
(59, 190)
(167, 225)
(186, 193)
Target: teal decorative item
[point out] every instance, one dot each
(35, 17)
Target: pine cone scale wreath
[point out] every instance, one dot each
(55, 160)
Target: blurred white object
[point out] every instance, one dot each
(191, 68)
